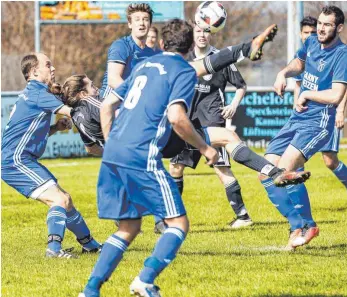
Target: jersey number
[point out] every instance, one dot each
(135, 92)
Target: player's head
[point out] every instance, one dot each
(330, 24)
(202, 39)
(308, 26)
(177, 36)
(139, 17)
(77, 87)
(152, 37)
(38, 66)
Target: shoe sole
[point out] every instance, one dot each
(300, 178)
(316, 234)
(267, 36)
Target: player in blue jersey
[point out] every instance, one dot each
(23, 143)
(126, 52)
(153, 39)
(323, 59)
(132, 180)
(330, 150)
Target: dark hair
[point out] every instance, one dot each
(177, 36)
(28, 63)
(155, 30)
(339, 16)
(308, 21)
(72, 86)
(143, 7)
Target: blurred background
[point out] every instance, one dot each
(76, 36)
(83, 48)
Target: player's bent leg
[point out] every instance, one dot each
(332, 161)
(233, 193)
(58, 202)
(111, 255)
(242, 154)
(176, 170)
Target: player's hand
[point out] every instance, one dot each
(300, 103)
(63, 124)
(228, 111)
(340, 120)
(280, 84)
(211, 154)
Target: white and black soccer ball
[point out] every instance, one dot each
(211, 16)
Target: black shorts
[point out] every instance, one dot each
(190, 156)
(176, 145)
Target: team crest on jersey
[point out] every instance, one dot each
(207, 77)
(321, 65)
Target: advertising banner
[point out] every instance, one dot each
(261, 115)
(113, 11)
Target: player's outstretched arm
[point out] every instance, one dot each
(331, 96)
(236, 53)
(294, 68)
(107, 112)
(181, 124)
(114, 74)
(61, 125)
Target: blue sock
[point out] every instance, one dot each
(341, 173)
(164, 252)
(56, 223)
(280, 198)
(110, 256)
(76, 224)
(299, 197)
(157, 219)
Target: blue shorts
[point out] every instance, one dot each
(125, 193)
(332, 144)
(307, 138)
(27, 175)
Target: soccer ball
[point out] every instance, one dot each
(211, 16)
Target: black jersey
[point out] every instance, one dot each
(86, 118)
(209, 98)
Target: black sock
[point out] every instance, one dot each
(244, 155)
(234, 196)
(226, 57)
(179, 182)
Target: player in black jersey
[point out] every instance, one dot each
(80, 93)
(208, 110)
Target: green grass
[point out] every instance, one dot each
(214, 261)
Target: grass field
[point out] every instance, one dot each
(214, 261)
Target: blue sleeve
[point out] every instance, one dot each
(118, 52)
(340, 69)
(49, 102)
(302, 52)
(122, 90)
(182, 88)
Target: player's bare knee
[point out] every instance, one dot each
(179, 222)
(176, 170)
(331, 161)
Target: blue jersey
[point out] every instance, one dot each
(125, 51)
(323, 67)
(141, 129)
(27, 130)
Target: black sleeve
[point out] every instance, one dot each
(81, 122)
(234, 77)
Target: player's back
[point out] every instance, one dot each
(27, 129)
(142, 129)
